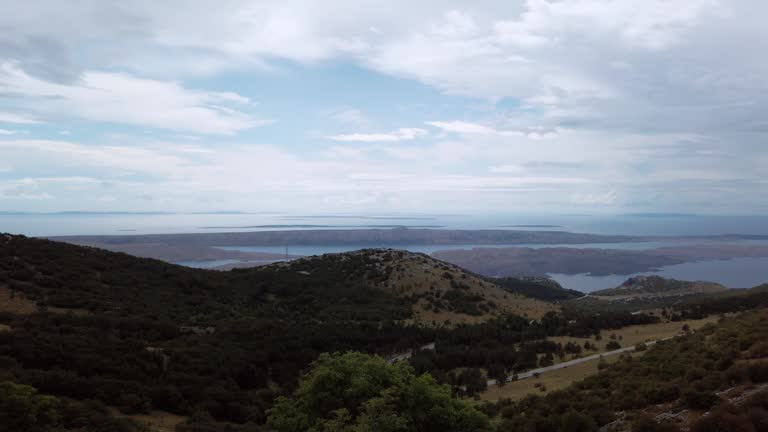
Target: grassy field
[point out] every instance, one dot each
(633, 335)
(156, 421)
(555, 380)
(551, 381)
(16, 303)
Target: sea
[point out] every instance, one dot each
(735, 273)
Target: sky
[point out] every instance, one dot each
(537, 106)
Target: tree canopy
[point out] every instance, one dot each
(22, 409)
(355, 392)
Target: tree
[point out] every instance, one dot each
(574, 421)
(498, 372)
(473, 381)
(547, 360)
(357, 392)
(612, 345)
(22, 409)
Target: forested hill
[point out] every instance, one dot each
(372, 284)
(107, 333)
(140, 334)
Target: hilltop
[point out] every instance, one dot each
(657, 286)
(438, 291)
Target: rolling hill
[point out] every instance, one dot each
(647, 287)
(390, 284)
(439, 292)
(143, 335)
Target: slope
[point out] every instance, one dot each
(439, 292)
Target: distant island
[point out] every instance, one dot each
(530, 226)
(383, 237)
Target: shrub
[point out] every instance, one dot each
(646, 423)
(699, 400)
(612, 345)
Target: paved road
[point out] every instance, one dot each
(563, 365)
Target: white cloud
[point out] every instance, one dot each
(7, 132)
(402, 134)
(120, 98)
(463, 127)
(625, 92)
(594, 199)
(6, 117)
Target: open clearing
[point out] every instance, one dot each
(16, 303)
(156, 421)
(551, 381)
(561, 378)
(633, 335)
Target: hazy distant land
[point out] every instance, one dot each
(382, 237)
(595, 262)
(491, 261)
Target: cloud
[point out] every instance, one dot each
(650, 65)
(463, 127)
(594, 199)
(121, 98)
(622, 93)
(6, 117)
(402, 134)
(7, 132)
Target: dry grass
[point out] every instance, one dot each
(17, 304)
(551, 381)
(156, 421)
(555, 380)
(633, 335)
(413, 276)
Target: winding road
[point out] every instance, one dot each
(563, 365)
